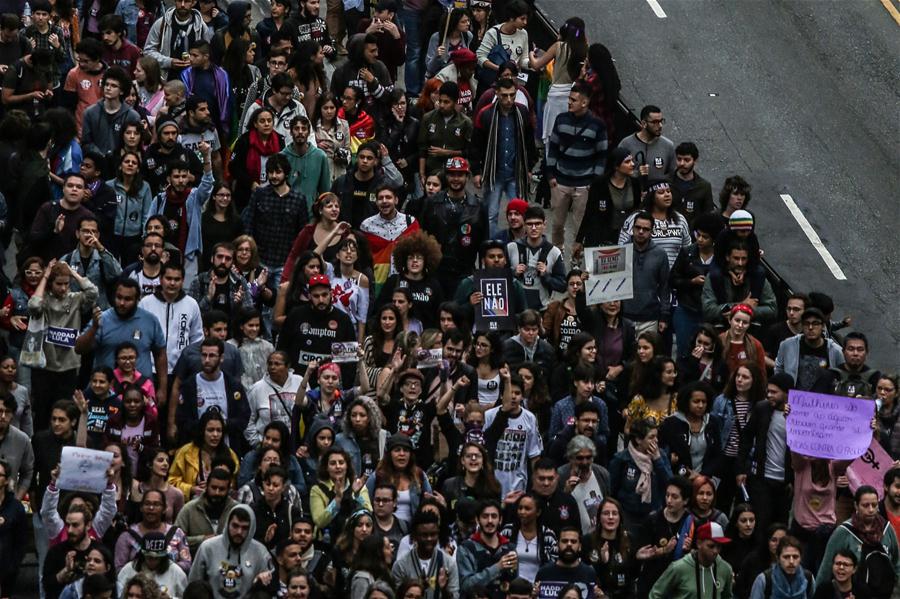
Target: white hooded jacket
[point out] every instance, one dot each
(180, 320)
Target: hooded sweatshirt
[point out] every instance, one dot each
(681, 580)
(228, 568)
(101, 131)
(180, 320)
(377, 90)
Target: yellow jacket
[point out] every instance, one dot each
(186, 468)
(324, 508)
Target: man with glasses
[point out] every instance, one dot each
(276, 63)
(650, 305)
(502, 150)
(536, 262)
(280, 98)
(808, 355)
(654, 154)
(15, 450)
(384, 502)
(586, 422)
(410, 413)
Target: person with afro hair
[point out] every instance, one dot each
(415, 260)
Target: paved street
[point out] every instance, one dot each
(800, 98)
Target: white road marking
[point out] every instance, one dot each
(657, 9)
(813, 237)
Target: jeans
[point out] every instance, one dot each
(411, 21)
(494, 195)
(685, 322)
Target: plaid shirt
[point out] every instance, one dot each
(274, 221)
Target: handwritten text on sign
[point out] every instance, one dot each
(829, 426)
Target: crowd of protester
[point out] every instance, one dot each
(245, 245)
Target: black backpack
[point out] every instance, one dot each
(876, 568)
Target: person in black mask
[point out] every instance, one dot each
(201, 517)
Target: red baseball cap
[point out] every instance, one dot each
(712, 531)
(316, 280)
(457, 164)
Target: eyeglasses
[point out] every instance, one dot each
(382, 500)
(222, 195)
(843, 565)
(534, 225)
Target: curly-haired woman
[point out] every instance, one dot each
(416, 258)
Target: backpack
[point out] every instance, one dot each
(810, 583)
(876, 568)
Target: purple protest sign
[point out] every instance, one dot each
(829, 426)
(869, 469)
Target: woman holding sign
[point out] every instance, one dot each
(61, 310)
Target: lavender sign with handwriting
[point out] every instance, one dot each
(829, 426)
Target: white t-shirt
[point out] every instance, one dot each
(211, 393)
(519, 443)
(529, 557)
(588, 497)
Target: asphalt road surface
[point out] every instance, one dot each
(801, 99)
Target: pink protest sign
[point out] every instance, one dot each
(829, 426)
(869, 469)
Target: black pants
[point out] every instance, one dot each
(771, 500)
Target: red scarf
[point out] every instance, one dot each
(177, 201)
(258, 149)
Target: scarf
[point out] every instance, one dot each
(645, 465)
(176, 201)
(490, 156)
(872, 534)
(259, 148)
(788, 588)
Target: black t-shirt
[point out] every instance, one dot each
(773, 337)
(56, 561)
(156, 163)
(553, 577)
(415, 422)
(29, 81)
(813, 361)
(363, 204)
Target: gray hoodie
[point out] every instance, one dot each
(230, 569)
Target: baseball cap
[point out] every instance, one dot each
(812, 312)
(316, 280)
(457, 164)
(713, 532)
(154, 545)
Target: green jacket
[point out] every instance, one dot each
(310, 174)
(450, 134)
(679, 581)
(192, 519)
(842, 538)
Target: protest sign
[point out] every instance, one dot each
(869, 469)
(343, 352)
(550, 589)
(429, 358)
(83, 469)
(611, 273)
(493, 312)
(829, 426)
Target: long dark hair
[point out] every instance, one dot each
(378, 335)
(486, 485)
(650, 386)
(495, 358)
(145, 463)
(234, 62)
(65, 129)
(601, 62)
(326, 96)
(306, 68)
(757, 391)
(370, 558)
(137, 182)
(299, 283)
(572, 33)
(221, 451)
(573, 351)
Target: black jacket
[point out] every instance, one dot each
(354, 210)
(752, 448)
(238, 412)
(460, 228)
(601, 222)
(400, 138)
(675, 434)
(693, 200)
(687, 266)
